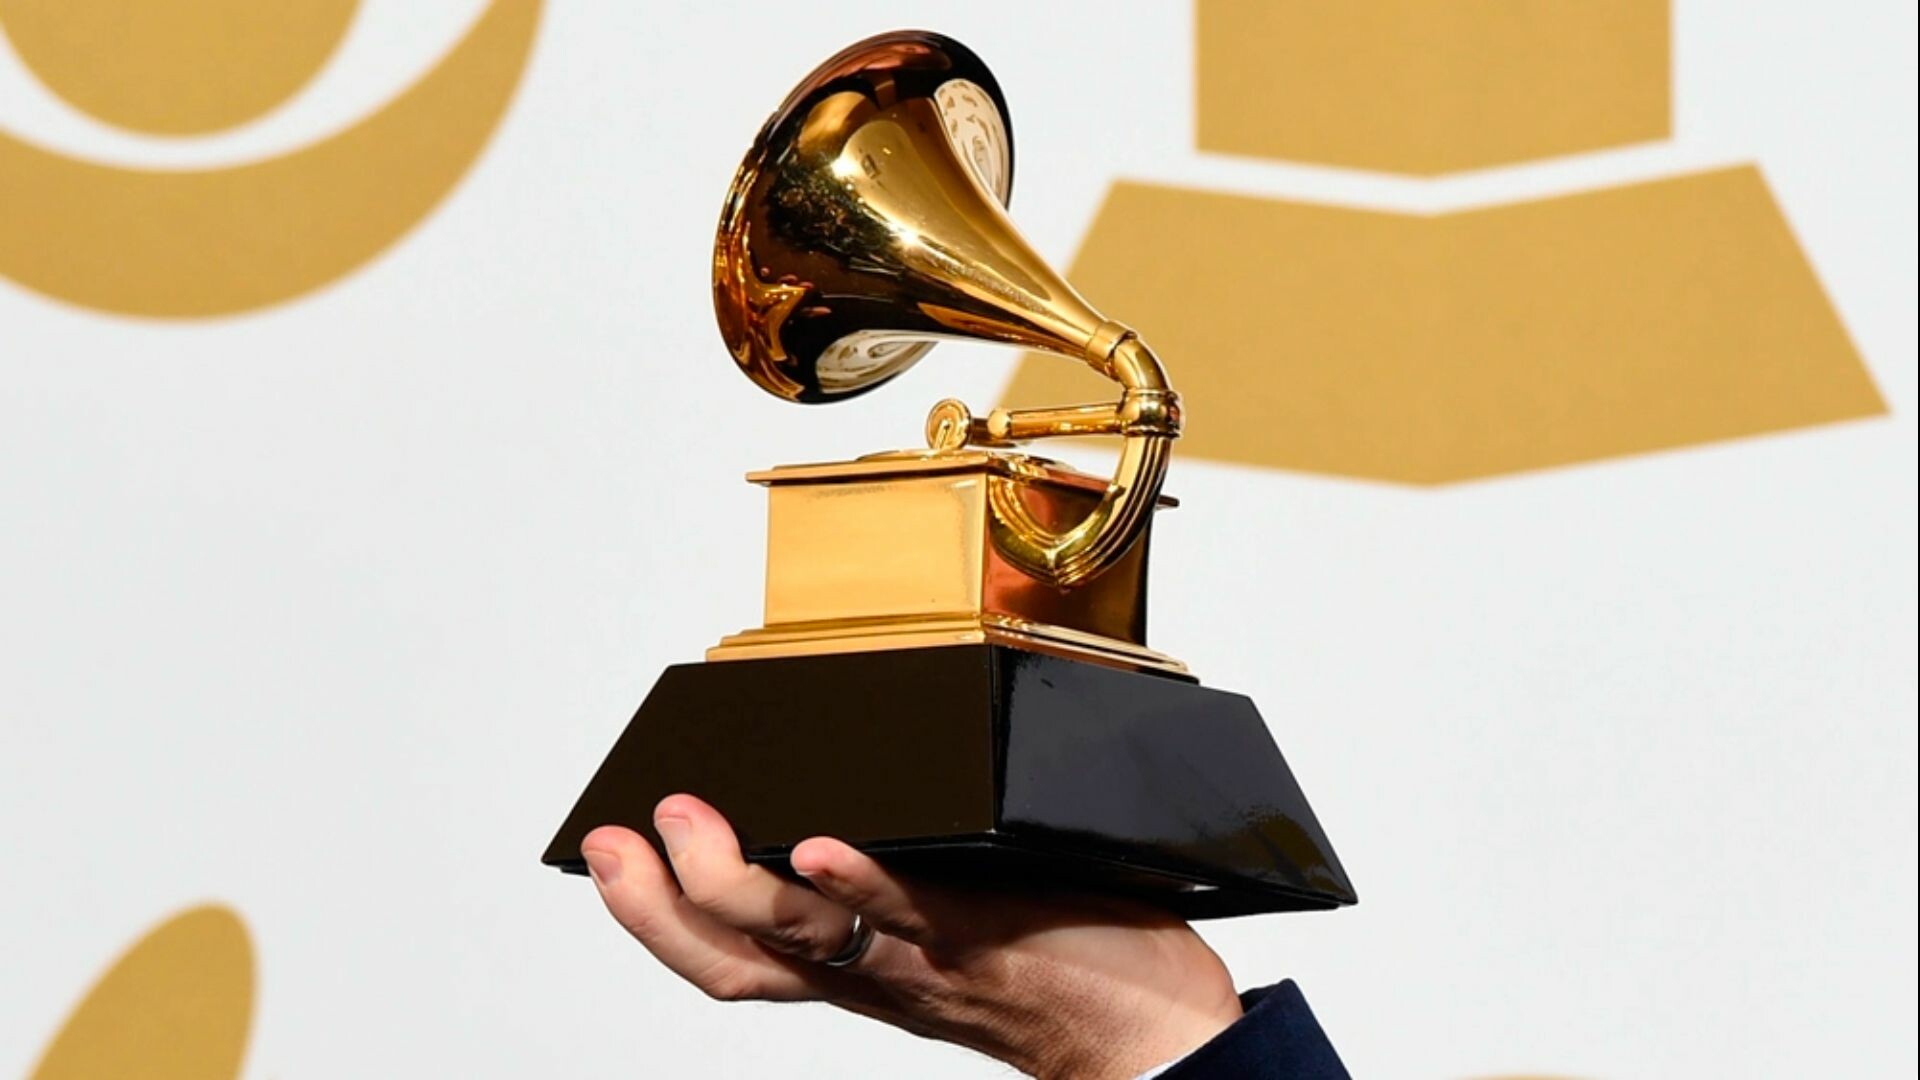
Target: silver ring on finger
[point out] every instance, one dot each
(858, 942)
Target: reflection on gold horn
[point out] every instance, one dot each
(868, 221)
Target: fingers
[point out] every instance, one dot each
(721, 961)
(781, 914)
(863, 885)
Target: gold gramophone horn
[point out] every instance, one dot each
(867, 221)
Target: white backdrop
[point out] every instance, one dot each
(327, 612)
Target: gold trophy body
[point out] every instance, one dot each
(953, 669)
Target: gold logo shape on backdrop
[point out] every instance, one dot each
(1433, 349)
(175, 1006)
(1415, 86)
(206, 242)
(184, 67)
(1429, 349)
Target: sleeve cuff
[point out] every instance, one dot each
(1278, 1037)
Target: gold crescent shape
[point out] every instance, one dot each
(184, 67)
(172, 244)
(177, 1005)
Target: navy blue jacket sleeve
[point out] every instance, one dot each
(1277, 1039)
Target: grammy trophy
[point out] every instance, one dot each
(952, 671)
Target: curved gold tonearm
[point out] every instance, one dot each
(868, 222)
(1147, 415)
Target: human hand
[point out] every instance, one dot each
(1089, 988)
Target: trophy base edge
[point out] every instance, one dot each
(839, 636)
(984, 766)
(997, 860)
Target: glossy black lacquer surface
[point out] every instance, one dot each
(983, 765)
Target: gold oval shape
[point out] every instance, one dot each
(175, 1006)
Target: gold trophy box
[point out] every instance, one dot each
(896, 551)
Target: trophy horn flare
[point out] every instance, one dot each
(868, 221)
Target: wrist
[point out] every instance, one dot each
(1128, 1043)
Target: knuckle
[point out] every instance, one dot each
(982, 966)
(796, 934)
(907, 926)
(731, 984)
(849, 894)
(640, 924)
(705, 888)
(859, 899)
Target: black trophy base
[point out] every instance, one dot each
(984, 766)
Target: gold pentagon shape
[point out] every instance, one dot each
(1428, 350)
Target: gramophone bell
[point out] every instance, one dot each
(867, 220)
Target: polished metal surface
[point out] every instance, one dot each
(897, 550)
(868, 221)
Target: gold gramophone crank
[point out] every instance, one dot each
(953, 670)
